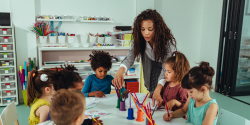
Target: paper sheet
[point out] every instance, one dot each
(95, 112)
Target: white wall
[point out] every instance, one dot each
(211, 33)
(4, 5)
(184, 18)
(142, 5)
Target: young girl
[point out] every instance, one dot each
(39, 91)
(70, 102)
(176, 67)
(200, 108)
(101, 64)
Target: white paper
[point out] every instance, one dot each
(5, 40)
(5, 56)
(4, 32)
(6, 79)
(7, 63)
(95, 112)
(8, 101)
(6, 71)
(4, 48)
(7, 86)
(9, 94)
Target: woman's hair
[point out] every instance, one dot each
(35, 85)
(163, 38)
(100, 59)
(66, 78)
(179, 64)
(66, 106)
(198, 76)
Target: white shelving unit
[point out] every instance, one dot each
(8, 87)
(96, 21)
(65, 20)
(57, 54)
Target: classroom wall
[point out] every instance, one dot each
(184, 18)
(4, 6)
(211, 33)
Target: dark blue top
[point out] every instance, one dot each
(103, 85)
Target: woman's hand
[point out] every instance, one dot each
(166, 118)
(170, 104)
(157, 96)
(118, 80)
(96, 94)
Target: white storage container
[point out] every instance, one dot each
(43, 39)
(6, 39)
(100, 39)
(6, 47)
(107, 39)
(61, 39)
(6, 55)
(9, 92)
(6, 31)
(8, 100)
(7, 78)
(92, 39)
(52, 39)
(84, 38)
(7, 63)
(7, 70)
(71, 39)
(8, 85)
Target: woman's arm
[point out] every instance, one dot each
(125, 65)
(211, 114)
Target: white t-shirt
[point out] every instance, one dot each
(49, 122)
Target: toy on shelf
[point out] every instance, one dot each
(103, 45)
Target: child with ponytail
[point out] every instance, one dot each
(172, 93)
(39, 91)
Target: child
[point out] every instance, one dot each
(101, 64)
(68, 79)
(70, 102)
(200, 108)
(176, 67)
(39, 91)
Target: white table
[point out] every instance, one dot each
(118, 117)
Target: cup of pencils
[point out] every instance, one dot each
(42, 30)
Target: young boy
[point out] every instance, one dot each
(67, 108)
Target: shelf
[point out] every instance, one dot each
(6, 27)
(122, 32)
(7, 74)
(124, 40)
(82, 48)
(1, 35)
(96, 21)
(65, 20)
(2, 51)
(132, 77)
(8, 59)
(6, 66)
(7, 43)
(8, 81)
(9, 96)
(84, 65)
(9, 89)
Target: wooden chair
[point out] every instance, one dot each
(9, 115)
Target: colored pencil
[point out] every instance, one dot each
(98, 89)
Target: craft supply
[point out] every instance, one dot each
(130, 110)
(167, 108)
(96, 121)
(98, 89)
(122, 106)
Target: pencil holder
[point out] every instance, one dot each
(43, 39)
(100, 39)
(139, 116)
(52, 39)
(92, 39)
(130, 114)
(149, 123)
(25, 97)
(61, 39)
(71, 39)
(107, 39)
(118, 103)
(122, 106)
(84, 38)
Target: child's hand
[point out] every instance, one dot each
(166, 118)
(98, 121)
(170, 104)
(98, 94)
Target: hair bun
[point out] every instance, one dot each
(206, 69)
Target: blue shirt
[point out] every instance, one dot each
(103, 85)
(197, 115)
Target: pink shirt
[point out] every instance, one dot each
(176, 92)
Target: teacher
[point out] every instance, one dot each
(154, 43)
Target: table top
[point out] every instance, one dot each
(120, 117)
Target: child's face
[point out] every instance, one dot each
(101, 73)
(78, 86)
(169, 73)
(195, 94)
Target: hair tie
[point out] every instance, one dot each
(44, 77)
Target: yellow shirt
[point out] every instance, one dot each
(33, 119)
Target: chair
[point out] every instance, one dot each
(9, 115)
(228, 118)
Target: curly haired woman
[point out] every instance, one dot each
(154, 43)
